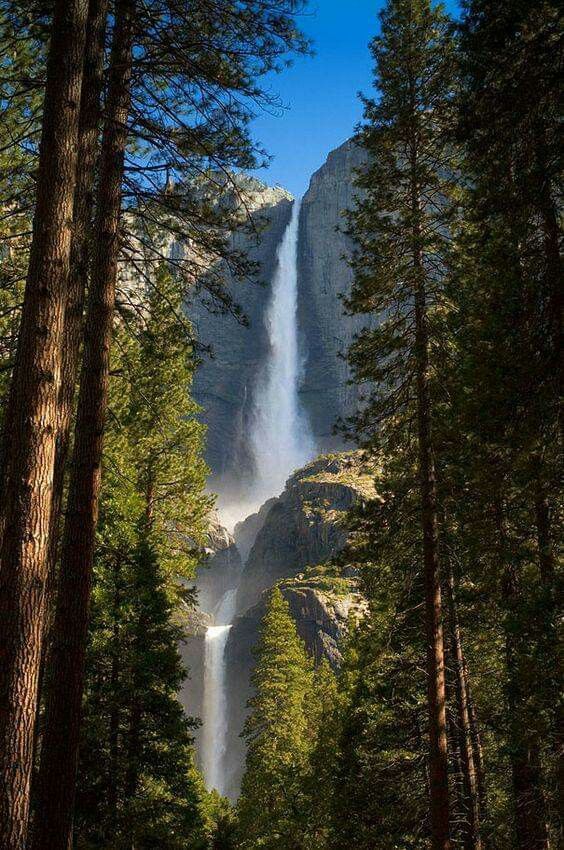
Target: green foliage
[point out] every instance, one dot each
(278, 733)
(138, 781)
(21, 62)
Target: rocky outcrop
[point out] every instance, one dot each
(220, 569)
(324, 275)
(301, 532)
(305, 525)
(324, 605)
(245, 532)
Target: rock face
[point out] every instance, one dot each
(324, 275)
(245, 532)
(221, 568)
(225, 382)
(304, 525)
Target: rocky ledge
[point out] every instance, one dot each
(305, 526)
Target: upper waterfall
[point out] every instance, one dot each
(281, 439)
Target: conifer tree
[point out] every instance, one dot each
(510, 362)
(399, 265)
(271, 810)
(137, 779)
(208, 123)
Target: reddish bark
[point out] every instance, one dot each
(31, 422)
(436, 681)
(89, 125)
(63, 708)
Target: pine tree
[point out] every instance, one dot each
(380, 793)
(320, 786)
(137, 779)
(272, 809)
(399, 265)
(28, 450)
(137, 752)
(511, 338)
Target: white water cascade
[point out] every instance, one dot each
(281, 439)
(214, 730)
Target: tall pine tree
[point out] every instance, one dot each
(399, 265)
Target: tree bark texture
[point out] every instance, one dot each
(436, 684)
(28, 450)
(89, 126)
(472, 839)
(63, 708)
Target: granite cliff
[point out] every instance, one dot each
(225, 383)
(325, 275)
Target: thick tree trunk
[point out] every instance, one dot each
(89, 126)
(436, 695)
(62, 714)
(472, 839)
(28, 450)
(530, 811)
(90, 114)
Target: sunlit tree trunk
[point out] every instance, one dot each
(63, 708)
(29, 443)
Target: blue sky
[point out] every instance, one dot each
(320, 93)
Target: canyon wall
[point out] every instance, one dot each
(224, 383)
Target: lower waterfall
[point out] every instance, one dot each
(215, 707)
(214, 712)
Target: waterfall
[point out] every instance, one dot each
(280, 439)
(214, 730)
(215, 707)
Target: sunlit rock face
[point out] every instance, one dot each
(305, 525)
(324, 275)
(225, 382)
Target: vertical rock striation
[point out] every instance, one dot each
(324, 275)
(225, 382)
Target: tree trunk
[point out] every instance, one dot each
(62, 714)
(530, 811)
(436, 693)
(28, 450)
(472, 840)
(476, 748)
(89, 125)
(436, 686)
(114, 710)
(90, 113)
